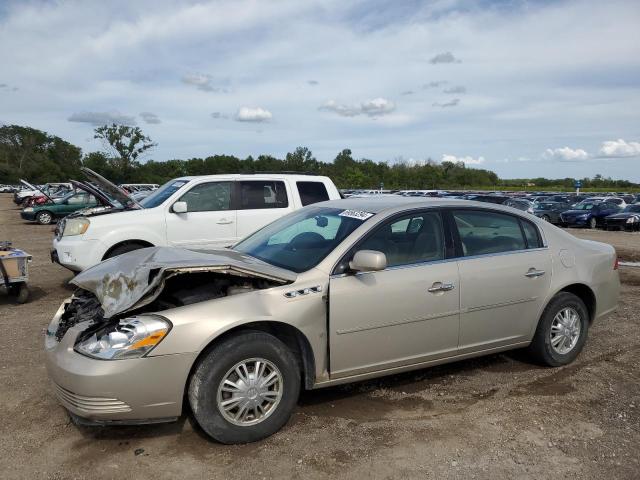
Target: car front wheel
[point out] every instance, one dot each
(245, 389)
(561, 332)
(593, 223)
(44, 218)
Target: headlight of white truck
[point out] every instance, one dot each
(75, 226)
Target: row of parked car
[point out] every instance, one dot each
(619, 211)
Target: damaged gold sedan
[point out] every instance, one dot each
(336, 292)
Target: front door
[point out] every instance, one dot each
(210, 221)
(403, 315)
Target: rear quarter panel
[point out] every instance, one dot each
(583, 262)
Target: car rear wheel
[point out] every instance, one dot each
(593, 223)
(561, 332)
(44, 218)
(546, 218)
(245, 389)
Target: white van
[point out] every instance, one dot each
(200, 212)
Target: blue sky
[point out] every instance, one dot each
(536, 88)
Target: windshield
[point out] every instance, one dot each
(301, 240)
(160, 195)
(584, 206)
(632, 208)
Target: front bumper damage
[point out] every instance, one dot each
(101, 392)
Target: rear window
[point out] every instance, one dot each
(483, 233)
(312, 192)
(258, 194)
(532, 235)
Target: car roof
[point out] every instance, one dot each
(380, 204)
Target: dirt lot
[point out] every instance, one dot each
(497, 417)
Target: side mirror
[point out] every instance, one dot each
(368, 261)
(179, 207)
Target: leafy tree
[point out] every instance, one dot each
(125, 143)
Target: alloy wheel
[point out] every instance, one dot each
(250, 392)
(565, 330)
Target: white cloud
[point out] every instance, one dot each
(150, 118)
(451, 103)
(466, 160)
(446, 57)
(102, 118)
(456, 89)
(372, 108)
(253, 114)
(203, 82)
(565, 154)
(619, 148)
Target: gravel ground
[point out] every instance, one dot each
(497, 417)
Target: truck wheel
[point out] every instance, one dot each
(562, 331)
(245, 389)
(124, 248)
(44, 218)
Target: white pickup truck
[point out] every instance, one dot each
(200, 212)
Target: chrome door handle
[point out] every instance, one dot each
(224, 222)
(533, 273)
(440, 287)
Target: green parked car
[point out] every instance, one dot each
(83, 197)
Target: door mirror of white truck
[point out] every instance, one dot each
(179, 207)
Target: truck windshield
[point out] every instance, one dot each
(160, 195)
(301, 240)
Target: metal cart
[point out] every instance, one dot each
(14, 271)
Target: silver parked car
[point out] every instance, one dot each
(336, 292)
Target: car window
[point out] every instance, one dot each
(78, 199)
(532, 235)
(257, 194)
(483, 233)
(312, 192)
(414, 238)
(208, 197)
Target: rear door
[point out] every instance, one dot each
(505, 274)
(260, 202)
(210, 220)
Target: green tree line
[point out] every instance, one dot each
(40, 157)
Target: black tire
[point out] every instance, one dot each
(546, 218)
(124, 248)
(44, 217)
(23, 293)
(213, 367)
(593, 223)
(541, 349)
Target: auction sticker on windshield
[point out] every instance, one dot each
(357, 214)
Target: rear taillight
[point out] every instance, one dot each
(616, 264)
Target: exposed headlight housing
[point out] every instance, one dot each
(28, 209)
(131, 337)
(75, 226)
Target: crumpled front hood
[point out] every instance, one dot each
(136, 278)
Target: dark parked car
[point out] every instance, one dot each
(520, 204)
(588, 214)
(627, 219)
(550, 211)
